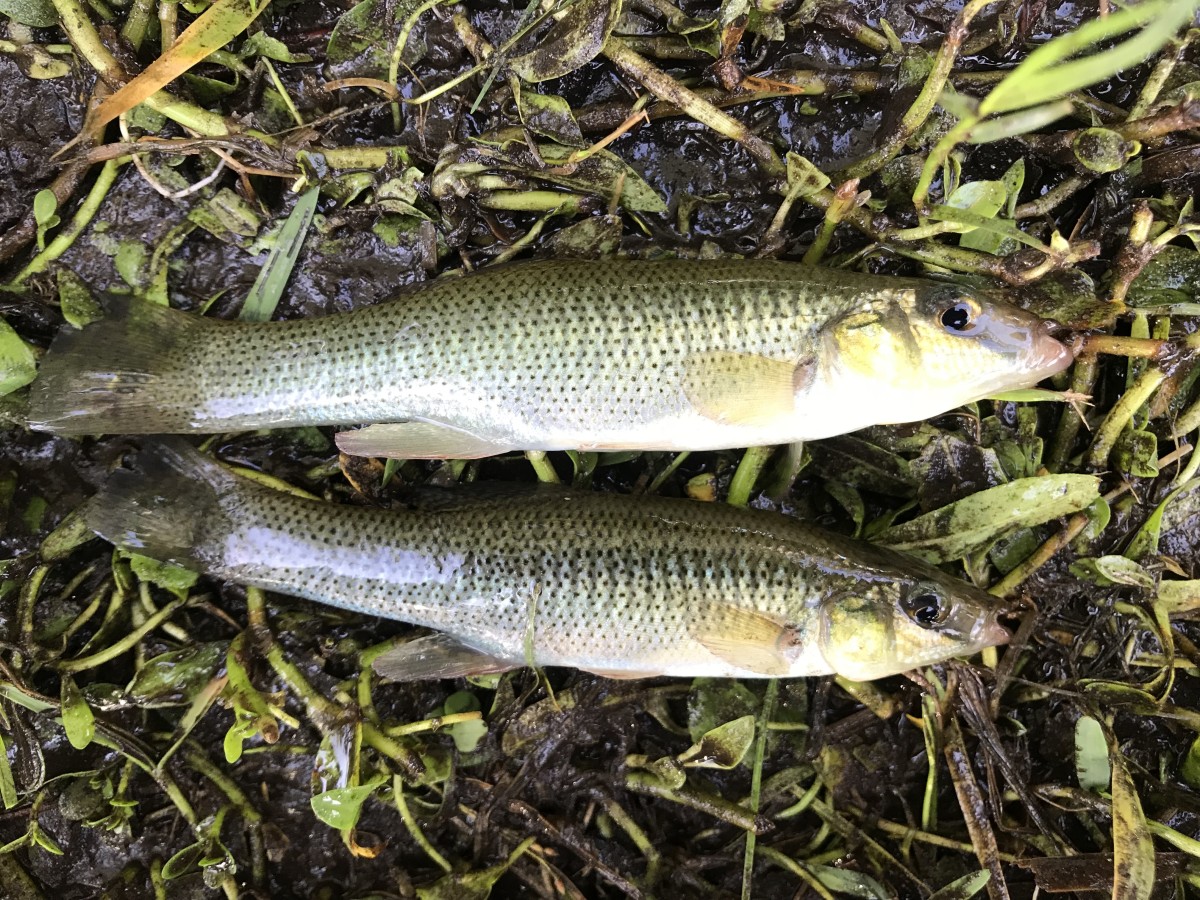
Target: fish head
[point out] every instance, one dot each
(926, 349)
(885, 628)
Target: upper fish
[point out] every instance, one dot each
(561, 354)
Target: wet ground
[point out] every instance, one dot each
(213, 728)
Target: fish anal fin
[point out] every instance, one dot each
(745, 388)
(417, 440)
(620, 674)
(437, 656)
(748, 639)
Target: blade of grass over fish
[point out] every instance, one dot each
(976, 522)
(273, 277)
(216, 27)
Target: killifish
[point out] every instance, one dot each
(616, 585)
(552, 355)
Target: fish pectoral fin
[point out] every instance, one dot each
(437, 656)
(744, 388)
(748, 639)
(417, 440)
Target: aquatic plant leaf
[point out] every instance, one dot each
(590, 238)
(714, 701)
(167, 576)
(175, 677)
(215, 27)
(467, 735)
(17, 362)
(1190, 770)
(34, 13)
(268, 287)
(963, 888)
(1091, 755)
(975, 522)
(1133, 847)
(1178, 598)
(471, 885)
(340, 807)
(77, 717)
(550, 116)
(1109, 570)
(1135, 453)
(1172, 276)
(1046, 74)
(575, 40)
(724, 747)
(262, 44)
(850, 883)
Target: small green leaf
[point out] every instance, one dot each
(34, 13)
(78, 306)
(1109, 570)
(549, 116)
(167, 576)
(262, 44)
(575, 40)
(803, 178)
(1179, 598)
(850, 883)
(963, 888)
(723, 747)
(1091, 755)
(45, 206)
(467, 735)
(18, 366)
(976, 522)
(1190, 770)
(183, 862)
(77, 716)
(176, 677)
(340, 807)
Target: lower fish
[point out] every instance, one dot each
(561, 354)
(619, 586)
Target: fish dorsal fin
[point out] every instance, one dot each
(745, 388)
(437, 656)
(748, 639)
(417, 440)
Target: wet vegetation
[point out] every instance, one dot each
(168, 735)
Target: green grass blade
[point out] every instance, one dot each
(268, 287)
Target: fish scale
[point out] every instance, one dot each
(558, 354)
(611, 584)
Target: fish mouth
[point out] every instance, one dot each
(1051, 355)
(993, 633)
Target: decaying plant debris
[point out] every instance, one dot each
(172, 736)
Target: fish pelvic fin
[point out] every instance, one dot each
(438, 656)
(122, 374)
(166, 506)
(417, 440)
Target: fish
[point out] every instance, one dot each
(620, 586)
(560, 355)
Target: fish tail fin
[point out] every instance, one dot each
(167, 505)
(123, 374)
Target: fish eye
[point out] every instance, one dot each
(926, 608)
(959, 317)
